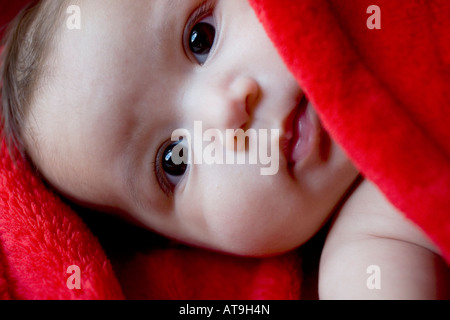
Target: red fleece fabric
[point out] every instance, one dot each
(8, 10)
(381, 93)
(40, 238)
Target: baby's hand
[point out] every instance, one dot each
(373, 252)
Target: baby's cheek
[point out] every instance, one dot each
(237, 210)
(239, 221)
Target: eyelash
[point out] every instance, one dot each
(203, 10)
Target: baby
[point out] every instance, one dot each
(95, 107)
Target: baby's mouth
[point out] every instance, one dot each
(300, 132)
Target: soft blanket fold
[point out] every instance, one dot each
(381, 93)
(40, 238)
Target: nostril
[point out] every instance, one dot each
(247, 91)
(252, 100)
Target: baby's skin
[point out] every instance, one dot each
(100, 132)
(373, 252)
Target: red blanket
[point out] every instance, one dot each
(382, 93)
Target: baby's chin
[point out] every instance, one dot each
(255, 250)
(259, 246)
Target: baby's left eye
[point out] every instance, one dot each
(174, 161)
(201, 39)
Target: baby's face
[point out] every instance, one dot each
(137, 71)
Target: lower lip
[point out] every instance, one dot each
(304, 135)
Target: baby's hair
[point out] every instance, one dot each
(26, 46)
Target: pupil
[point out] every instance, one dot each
(202, 38)
(169, 166)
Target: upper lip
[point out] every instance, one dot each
(291, 132)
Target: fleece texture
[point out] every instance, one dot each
(41, 238)
(381, 93)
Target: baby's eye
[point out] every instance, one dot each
(201, 39)
(172, 165)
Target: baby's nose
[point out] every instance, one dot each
(237, 103)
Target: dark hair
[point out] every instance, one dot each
(26, 46)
